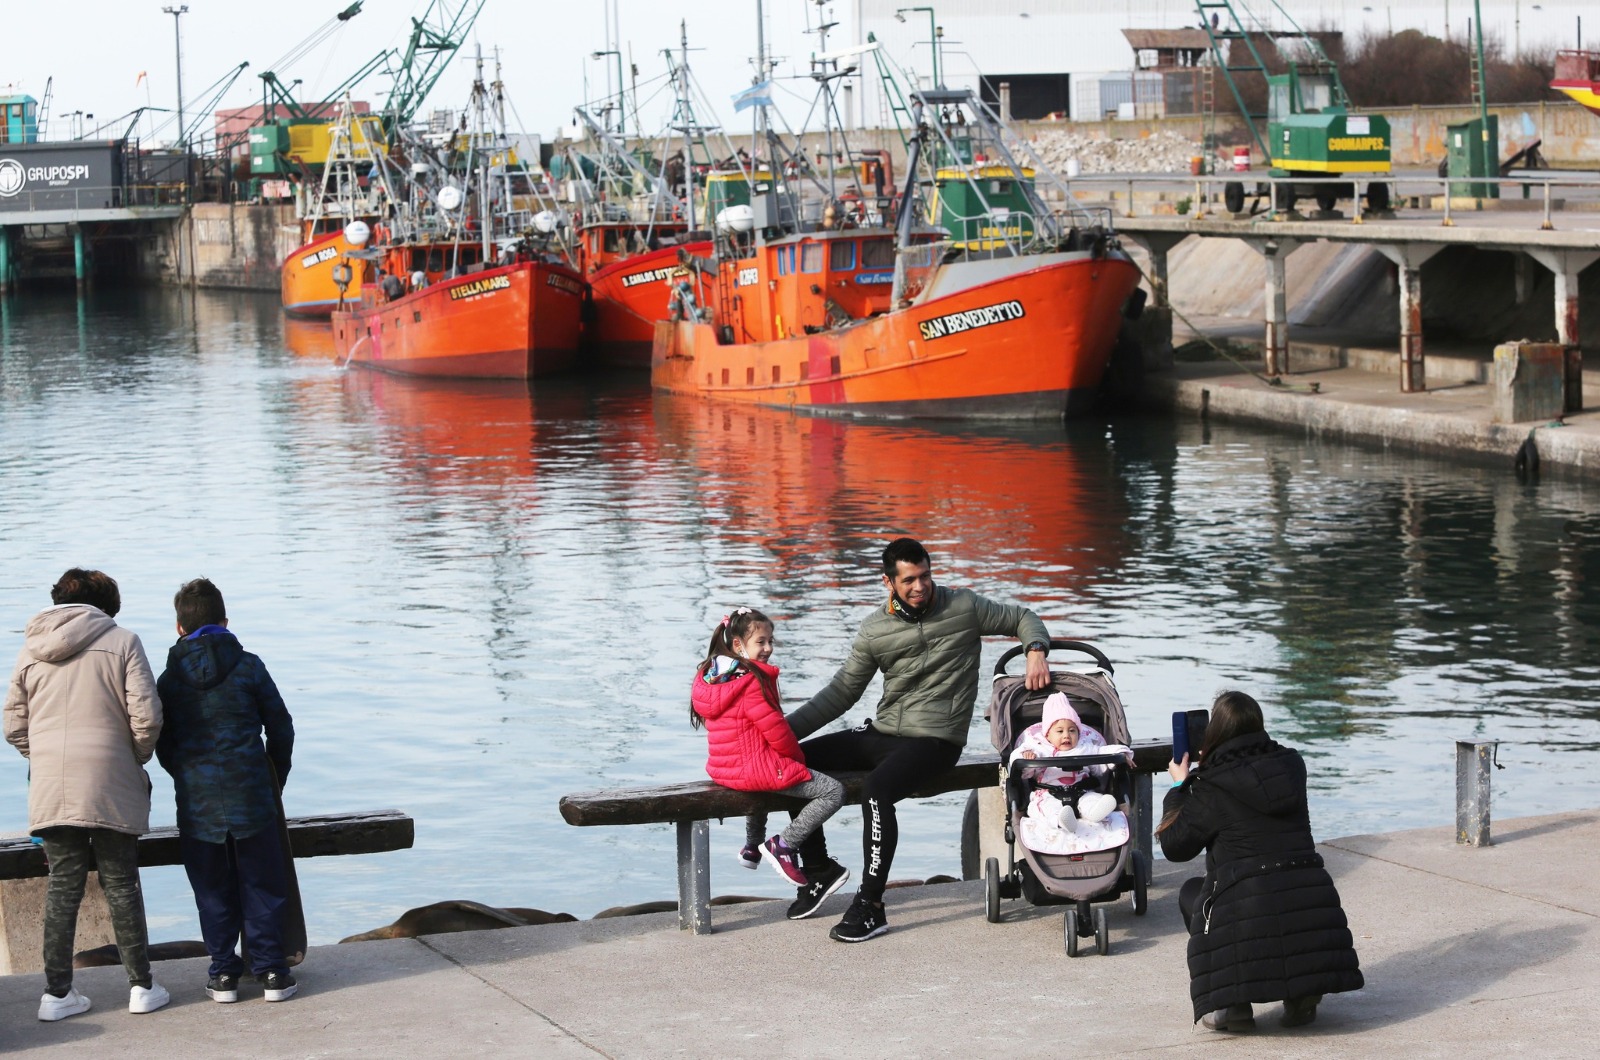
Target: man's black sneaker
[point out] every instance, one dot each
(823, 882)
(279, 986)
(862, 921)
(223, 989)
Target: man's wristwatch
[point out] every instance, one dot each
(1038, 645)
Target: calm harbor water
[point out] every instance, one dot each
(478, 598)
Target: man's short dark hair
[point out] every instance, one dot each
(903, 550)
(199, 603)
(93, 587)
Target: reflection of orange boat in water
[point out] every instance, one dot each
(1015, 500)
(473, 430)
(311, 339)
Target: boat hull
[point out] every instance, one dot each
(513, 322)
(630, 295)
(306, 277)
(1020, 341)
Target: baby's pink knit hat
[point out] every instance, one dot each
(1056, 708)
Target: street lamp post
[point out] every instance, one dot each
(622, 96)
(177, 45)
(933, 38)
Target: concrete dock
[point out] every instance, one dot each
(1467, 951)
(1346, 386)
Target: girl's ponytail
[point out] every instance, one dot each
(738, 623)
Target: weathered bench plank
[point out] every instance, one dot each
(702, 800)
(324, 835)
(691, 805)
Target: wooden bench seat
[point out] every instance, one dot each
(691, 806)
(325, 835)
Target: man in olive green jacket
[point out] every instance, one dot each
(926, 640)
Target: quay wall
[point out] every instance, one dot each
(229, 245)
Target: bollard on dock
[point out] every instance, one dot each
(1472, 791)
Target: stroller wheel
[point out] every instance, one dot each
(1069, 929)
(991, 890)
(1102, 932)
(1141, 900)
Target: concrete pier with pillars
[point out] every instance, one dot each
(1408, 242)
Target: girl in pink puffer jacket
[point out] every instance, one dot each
(752, 748)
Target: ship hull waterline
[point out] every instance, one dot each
(1033, 345)
(513, 322)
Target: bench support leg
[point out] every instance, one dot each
(694, 876)
(1143, 828)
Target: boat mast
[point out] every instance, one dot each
(479, 120)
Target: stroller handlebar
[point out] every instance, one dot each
(1081, 646)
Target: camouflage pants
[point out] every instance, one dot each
(72, 853)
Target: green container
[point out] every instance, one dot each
(267, 145)
(1002, 213)
(1471, 154)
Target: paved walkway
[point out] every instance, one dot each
(1466, 951)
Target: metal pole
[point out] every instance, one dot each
(5, 257)
(77, 254)
(177, 47)
(933, 39)
(694, 877)
(1472, 792)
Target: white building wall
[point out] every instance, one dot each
(1085, 36)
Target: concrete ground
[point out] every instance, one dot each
(1466, 952)
(1347, 385)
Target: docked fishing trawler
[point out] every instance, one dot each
(479, 286)
(353, 197)
(981, 302)
(1577, 74)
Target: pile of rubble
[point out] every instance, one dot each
(1160, 152)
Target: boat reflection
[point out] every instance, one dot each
(998, 504)
(308, 338)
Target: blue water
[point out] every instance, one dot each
(478, 598)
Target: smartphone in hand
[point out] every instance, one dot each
(1180, 734)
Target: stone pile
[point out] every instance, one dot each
(1160, 152)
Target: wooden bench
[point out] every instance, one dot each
(692, 806)
(322, 836)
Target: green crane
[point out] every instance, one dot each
(1307, 129)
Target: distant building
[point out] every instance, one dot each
(19, 119)
(1053, 53)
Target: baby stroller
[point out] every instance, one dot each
(1064, 879)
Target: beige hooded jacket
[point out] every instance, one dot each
(82, 708)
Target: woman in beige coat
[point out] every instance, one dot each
(82, 708)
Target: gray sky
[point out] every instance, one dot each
(96, 49)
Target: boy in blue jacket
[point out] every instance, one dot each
(218, 699)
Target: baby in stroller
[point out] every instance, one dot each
(1064, 798)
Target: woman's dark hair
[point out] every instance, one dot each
(903, 550)
(199, 603)
(93, 587)
(1233, 714)
(739, 624)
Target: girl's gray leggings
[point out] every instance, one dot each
(826, 795)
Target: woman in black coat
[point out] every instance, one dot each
(1265, 922)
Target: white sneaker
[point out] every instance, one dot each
(1067, 819)
(1096, 807)
(148, 999)
(52, 1008)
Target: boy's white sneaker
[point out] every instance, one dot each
(148, 998)
(1096, 807)
(52, 1008)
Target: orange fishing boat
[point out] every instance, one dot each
(1577, 74)
(981, 302)
(307, 282)
(1010, 338)
(510, 321)
(630, 289)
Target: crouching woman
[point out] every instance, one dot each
(1265, 922)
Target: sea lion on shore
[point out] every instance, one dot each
(107, 956)
(442, 918)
